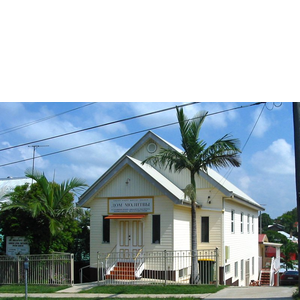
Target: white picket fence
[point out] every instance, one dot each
(44, 269)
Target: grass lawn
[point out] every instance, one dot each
(154, 289)
(127, 289)
(20, 288)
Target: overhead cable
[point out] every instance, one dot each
(122, 136)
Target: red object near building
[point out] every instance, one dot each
(271, 252)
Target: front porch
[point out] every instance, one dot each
(156, 267)
(268, 266)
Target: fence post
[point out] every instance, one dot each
(72, 269)
(165, 261)
(26, 267)
(217, 267)
(18, 269)
(98, 267)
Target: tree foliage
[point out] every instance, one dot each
(287, 249)
(44, 213)
(265, 220)
(288, 220)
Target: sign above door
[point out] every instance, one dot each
(130, 205)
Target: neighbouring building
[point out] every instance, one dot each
(135, 206)
(269, 261)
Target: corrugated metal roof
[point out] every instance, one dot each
(231, 188)
(262, 238)
(7, 185)
(289, 237)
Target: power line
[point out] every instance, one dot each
(97, 126)
(125, 135)
(4, 131)
(250, 134)
(253, 127)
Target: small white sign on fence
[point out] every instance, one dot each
(17, 245)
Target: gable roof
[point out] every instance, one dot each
(262, 238)
(149, 173)
(156, 178)
(276, 227)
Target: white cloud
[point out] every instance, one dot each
(262, 125)
(220, 120)
(245, 182)
(278, 158)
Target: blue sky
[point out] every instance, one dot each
(265, 132)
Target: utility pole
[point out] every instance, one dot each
(260, 219)
(296, 115)
(33, 156)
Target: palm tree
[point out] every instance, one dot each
(50, 200)
(196, 157)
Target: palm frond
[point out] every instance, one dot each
(190, 130)
(55, 226)
(169, 159)
(190, 192)
(223, 153)
(15, 205)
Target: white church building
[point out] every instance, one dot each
(137, 208)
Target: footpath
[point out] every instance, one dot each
(258, 292)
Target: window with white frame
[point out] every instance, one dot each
(227, 268)
(242, 222)
(253, 266)
(252, 223)
(232, 221)
(236, 269)
(248, 223)
(242, 269)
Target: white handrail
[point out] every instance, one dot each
(138, 262)
(272, 269)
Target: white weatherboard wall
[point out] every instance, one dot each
(163, 207)
(98, 210)
(137, 186)
(242, 246)
(182, 228)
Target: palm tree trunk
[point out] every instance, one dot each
(194, 268)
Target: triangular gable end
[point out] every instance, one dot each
(157, 180)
